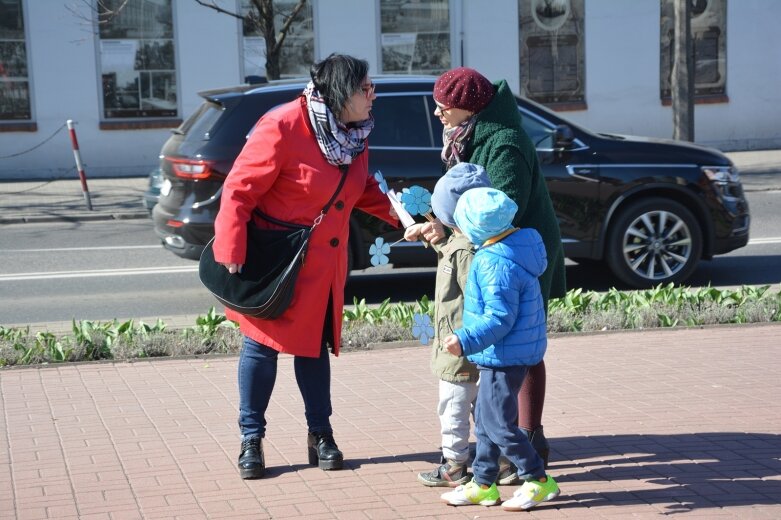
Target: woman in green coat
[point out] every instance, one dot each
(483, 126)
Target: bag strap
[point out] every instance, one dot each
(342, 168)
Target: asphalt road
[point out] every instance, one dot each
(55, 272)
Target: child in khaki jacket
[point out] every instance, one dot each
(457, 376)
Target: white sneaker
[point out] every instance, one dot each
(532, 493)
(472, 494)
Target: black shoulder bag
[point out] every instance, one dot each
(264, 287)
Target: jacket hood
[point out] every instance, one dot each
(524, 247)
(500, 114)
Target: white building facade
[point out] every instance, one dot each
(128, 80)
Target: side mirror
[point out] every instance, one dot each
(562, 137)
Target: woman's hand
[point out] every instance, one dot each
(412, 233)
(433, 231)
(453, 345)
(233, 268)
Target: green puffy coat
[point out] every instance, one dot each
(501, 146)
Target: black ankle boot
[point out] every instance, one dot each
(539, 443)
(323, 451)
(251, 461)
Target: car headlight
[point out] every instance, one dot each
(721, 175)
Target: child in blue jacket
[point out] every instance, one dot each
(503, 333)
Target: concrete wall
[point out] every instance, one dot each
(490, 40)
(622, 74)
(348, 27)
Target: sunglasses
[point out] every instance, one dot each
(441, 109)
(368, 90)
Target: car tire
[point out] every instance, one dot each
(653, 241)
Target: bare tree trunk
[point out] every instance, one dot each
(682, 81)
(274, 37)
(266, 10)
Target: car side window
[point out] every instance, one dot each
(540, 134)
(400, 121)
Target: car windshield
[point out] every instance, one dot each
(197, 127)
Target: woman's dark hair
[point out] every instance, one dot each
(338, 77)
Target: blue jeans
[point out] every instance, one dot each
(496, 426)
(257, 374)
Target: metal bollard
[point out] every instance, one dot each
(79, 165)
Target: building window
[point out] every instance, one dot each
(415, 36)
(137, 61)
(709, 37)
(14, 83)
(552, 51)
(298, 51)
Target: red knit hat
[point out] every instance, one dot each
(463, 88)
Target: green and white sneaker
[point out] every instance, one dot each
(472, 494)
(532, 493)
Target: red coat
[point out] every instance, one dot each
(282, 172)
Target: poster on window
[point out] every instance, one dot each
(120, 19)
(552, 51)
(137, 59)
(14, 100)
(14, 85)
(415, 36)
(709, 37)
(138, 79)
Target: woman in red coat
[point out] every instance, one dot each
(289, 169)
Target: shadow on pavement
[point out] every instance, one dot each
(696, 470)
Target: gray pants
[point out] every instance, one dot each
(456, 401)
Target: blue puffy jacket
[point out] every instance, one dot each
(504, 317)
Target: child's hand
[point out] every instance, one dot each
(453, 345)
(412, 233)
(433, 231)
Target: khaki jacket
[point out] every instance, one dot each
(454, 259)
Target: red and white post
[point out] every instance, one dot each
(79, 165)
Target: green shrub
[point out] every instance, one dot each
(577, 311)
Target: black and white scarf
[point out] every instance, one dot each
(339, 143)
(455, 141)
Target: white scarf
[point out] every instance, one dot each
(339, 143)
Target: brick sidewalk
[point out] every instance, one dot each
(642, 424)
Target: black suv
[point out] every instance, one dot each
(649, 208)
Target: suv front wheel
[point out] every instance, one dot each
(654, 241)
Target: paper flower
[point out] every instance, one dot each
(422, 328)
(379, 251)
(416, 200)
(381, 180)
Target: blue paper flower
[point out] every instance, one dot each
(379, 249)
(381, 180)
(422, 328)
(416, 200)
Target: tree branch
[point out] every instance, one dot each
(283, 30)
(213, 5)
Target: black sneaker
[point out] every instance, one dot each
(508, 474)
(446, 475)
